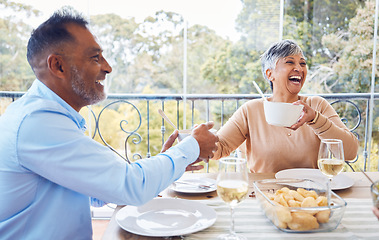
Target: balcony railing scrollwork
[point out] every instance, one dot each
(353, 108)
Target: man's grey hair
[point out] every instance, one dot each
(277, 51)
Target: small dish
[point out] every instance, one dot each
(339, 182)
(318, 218)
(193, 186)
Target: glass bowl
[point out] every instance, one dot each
(299, 205)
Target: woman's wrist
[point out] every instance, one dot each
(315, 118)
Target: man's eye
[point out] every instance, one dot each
(289, 62)
(303, 64)
(96, 58)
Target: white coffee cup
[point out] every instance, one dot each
(282, 114)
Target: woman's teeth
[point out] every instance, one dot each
(295, 78)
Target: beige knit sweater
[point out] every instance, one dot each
(272, 148)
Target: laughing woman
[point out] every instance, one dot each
(272, 148)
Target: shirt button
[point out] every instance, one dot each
(288, 134)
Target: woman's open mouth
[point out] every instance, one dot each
(295, 78)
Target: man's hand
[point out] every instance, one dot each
(206, 140)
(170, 141)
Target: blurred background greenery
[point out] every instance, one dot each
(147, 57)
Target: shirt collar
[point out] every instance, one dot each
(40, 89)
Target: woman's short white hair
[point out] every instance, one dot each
(277, 51)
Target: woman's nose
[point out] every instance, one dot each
(298, 67)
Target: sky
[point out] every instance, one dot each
(219, 15)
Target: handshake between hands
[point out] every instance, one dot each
(206, 139)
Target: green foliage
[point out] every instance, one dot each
(259, 23)
(147, 57)
(15, 73)
(351, 53)
(151, 53)
(233, 69)
(129, 124)
(308, 21)
(371, 164)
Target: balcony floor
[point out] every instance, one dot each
(98, 227)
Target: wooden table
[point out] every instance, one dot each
(360, 190)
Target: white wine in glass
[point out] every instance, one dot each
(232, 188)
(330, 160)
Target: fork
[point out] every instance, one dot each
(202, 186)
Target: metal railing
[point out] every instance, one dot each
(353, 109)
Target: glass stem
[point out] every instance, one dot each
(232, 232)
(329, 190)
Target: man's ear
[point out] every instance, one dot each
(55, 65)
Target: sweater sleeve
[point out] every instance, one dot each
(329, 125)
(233, 133)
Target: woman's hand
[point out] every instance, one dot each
(307, 115)
(194, 167)
(170, 141)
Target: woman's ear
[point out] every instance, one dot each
(55, 65)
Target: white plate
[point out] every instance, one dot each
(187, 188)
(339, 182)
(166, 217)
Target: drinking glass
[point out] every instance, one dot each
(232, 188)
(375, 193)
(330, 160)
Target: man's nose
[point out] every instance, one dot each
(106, 67)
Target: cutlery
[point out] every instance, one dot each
(202, 186)
(360, 169)
(166, 118)
(259, 90)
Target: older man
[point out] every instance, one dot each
(49, 170)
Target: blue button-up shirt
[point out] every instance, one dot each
(49, 169)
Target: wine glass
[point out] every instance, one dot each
(330, 160)
(232, 188)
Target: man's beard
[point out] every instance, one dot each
(89, 95)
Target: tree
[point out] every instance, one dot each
(258, 22)
(233, 69)
(236, 64)
(308, 21)
(350, 54)
(151, 53)
(117, 37)
(15, 72)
